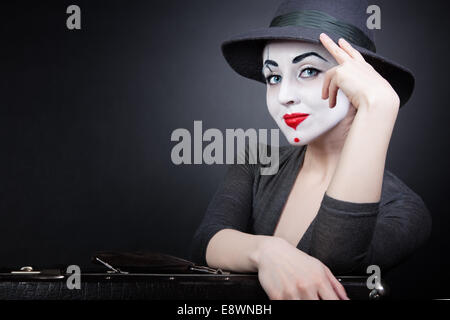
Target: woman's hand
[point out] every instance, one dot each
(287, 273)
(360, 82)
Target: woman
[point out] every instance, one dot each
(332, 207)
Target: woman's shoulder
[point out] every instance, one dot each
(395, 188)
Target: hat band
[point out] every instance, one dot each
(320, 20)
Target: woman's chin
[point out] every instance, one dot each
(296, 141)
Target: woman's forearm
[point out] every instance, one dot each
(358, 176)
(234, 250)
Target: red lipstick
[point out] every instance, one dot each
(294, 119)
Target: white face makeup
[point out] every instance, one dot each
(295, 71)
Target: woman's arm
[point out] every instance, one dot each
(359, 173)
(235, 250)
(358, 176)
(354, 228)
(221, 240)
(230, 208)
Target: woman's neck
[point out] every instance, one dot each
(323, 153)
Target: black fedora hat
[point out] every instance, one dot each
(305, 20)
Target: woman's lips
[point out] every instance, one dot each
(294, 119)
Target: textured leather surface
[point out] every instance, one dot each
(57, 290)
(178, 288)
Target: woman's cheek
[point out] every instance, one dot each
(271, 105)
(271, 109)
(312, 93)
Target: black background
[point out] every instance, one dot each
(86, 118)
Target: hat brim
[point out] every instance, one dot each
(243, 53)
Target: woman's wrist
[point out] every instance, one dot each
(375, 122)
(264, 245)
(387, 108)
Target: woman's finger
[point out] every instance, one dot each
(337, 52)
(338, 287)
(333, 91)
(326, 82)
(309, 295)
(350, 50)
(327, 292)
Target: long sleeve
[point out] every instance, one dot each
(348, 236)
(230, 208)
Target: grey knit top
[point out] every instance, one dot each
(345, 236)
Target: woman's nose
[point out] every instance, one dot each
(288, 94)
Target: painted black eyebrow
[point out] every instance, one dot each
(267, 63)
(271, 62)
(297, 59)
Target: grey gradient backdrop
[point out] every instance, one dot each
(86, 118)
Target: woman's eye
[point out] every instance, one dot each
(306, 73)
(309, 72)
(274, 79)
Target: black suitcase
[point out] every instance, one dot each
(149, 276)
